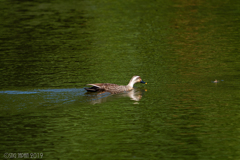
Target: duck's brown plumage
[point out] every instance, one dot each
(108, 87)
(114, 88)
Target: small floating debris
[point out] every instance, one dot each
(217, 81)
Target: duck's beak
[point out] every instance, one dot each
(143, 82)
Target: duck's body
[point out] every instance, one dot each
(114, 88)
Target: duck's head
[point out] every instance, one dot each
(136, 79)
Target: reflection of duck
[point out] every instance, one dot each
(135, 95)
(114, 88)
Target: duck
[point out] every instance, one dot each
(114, 88)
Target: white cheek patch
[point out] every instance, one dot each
(135, 78)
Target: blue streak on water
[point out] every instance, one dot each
(17, 92)
(39, 97)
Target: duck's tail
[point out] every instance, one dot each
(92, 89)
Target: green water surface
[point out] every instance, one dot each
(49, 51)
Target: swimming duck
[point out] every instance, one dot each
(114, 88)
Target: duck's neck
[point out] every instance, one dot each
(130, 84)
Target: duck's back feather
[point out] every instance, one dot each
(109, 87)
